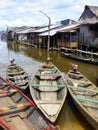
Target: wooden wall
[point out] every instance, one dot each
(88, 37)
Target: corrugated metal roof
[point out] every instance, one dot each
(68, 27)
(46, 28)
(53, 32)
(26, 31)
(41, 30)
(56, 25)
(62, 29)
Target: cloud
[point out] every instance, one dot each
(6, 4)
(26, 12)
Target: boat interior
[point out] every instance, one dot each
(17, 111)
(48, 86)
(84, 91)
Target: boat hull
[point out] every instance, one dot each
(18, 112)
(48, 91)
(18, 76)
(81, 57)
(84, 97)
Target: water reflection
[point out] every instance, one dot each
(30, 58)
(71, 118)
(63, 63)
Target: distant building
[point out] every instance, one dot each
(89, 27)
(62, 34)
(65, 35)
(11, 32)
(3, 35)
(34, 37)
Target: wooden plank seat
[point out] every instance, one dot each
(21, 83)
(12, 66)
(48, 76)
(79, 82)
(21, 105)
(85, 84)
(77, 77)
(16, 73)
(50, 102)
(48, 69)
(74, 72)
(18, 77)
(21, 114)
(40, 89)
(83, 89)
(48, 85)
(86, 100)
(15, 70)
(18, 81)
(7, 91)
(47, 89)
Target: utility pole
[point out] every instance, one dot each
(49, 19)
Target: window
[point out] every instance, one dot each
(73, 37)
(67, 37)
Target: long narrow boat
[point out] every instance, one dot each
(18, 76)
(18, 112)
(48, 90)
(85, 96)
(81, 56)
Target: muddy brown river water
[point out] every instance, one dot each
(30, 59)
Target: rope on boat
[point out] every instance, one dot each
(22, 105)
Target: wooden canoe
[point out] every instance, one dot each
(80, 55)
(48, 90)
(18, 112)
(85, 96)
(18, 76)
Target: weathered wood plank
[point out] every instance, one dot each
(47, 85)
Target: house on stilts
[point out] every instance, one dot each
(89, 28)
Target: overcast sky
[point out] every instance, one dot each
(26, 12)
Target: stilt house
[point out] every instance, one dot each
(89, 28)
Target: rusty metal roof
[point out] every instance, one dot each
(26, 31)
(62, 29)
